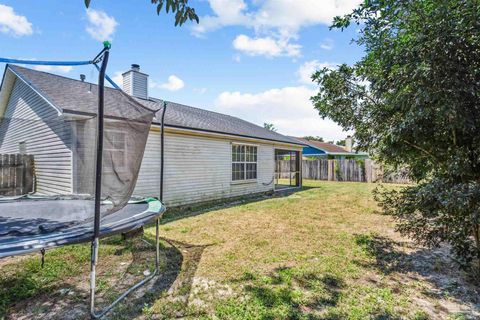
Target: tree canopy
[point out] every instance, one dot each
(413, 101)
(270, 126)
(180, 8)
(312, 138)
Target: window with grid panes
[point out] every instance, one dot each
(114, 150)
(244, 162)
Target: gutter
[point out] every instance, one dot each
(191, 130)
(188, 129)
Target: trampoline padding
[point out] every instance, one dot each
(28, 225)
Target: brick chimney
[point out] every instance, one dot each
(135, 83)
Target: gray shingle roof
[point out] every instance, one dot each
(72, 95)
(325, 146)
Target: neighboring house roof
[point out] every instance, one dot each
(75, 96)
(328, 148)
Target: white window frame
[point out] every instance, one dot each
(22, 147)
(124, 148)
(244, 162)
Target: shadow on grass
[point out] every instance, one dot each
(287, 293)
(432, 265)
(178, 268)
(32, 292)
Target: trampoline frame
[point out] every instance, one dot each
(98, 191)
(102, 57)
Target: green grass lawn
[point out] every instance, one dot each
(320, 253)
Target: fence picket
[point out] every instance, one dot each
(345, 170)
(16, 174)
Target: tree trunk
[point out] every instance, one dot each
(476, 236)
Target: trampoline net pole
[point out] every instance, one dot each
(98, 195)
(162, 166)
(94, 257)
(99, 154)
(98, 179)
(157, 245)
(162, 153)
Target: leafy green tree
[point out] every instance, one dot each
(270, 126)
(311, 138)
(413, 100)
(341, 143)
(182, 10)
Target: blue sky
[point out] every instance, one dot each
(250, 59)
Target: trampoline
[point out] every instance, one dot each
(29, 224)
(107, 146)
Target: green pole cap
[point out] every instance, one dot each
(107, 44)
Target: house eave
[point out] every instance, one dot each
(4, 96)
(36, 90)
(195, 131)
(341, 153)
(211, 133)
(335, 154)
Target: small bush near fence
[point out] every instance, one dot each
(16, 174)
(346, 170)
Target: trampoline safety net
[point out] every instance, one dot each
(47, 154)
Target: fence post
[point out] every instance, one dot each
(368, 170)
(330, 170)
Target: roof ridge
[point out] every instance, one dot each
(127, 96)
(154, 98)
(221, 114)
(320, 144)
(183, 115)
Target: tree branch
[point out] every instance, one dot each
(364, 95)
(421, 149)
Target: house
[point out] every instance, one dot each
(318, 149)
(208, 155)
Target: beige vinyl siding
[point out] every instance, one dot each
(199, 169)
(148, 181)
(46, 138)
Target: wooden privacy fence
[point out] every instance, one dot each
(345, 170)
(16, 174)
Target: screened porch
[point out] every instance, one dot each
(287, 169)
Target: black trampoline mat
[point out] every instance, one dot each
(24, 217)
(28, 225)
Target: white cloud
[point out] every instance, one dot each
(275, 22)
(267, 46)
(289, 109)
(289, 14)
(286, 15)
(327, 44)
(174, 83)
(62, 69)
(306, 70)
(100, 26)
(226, 13)
(14, 24)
